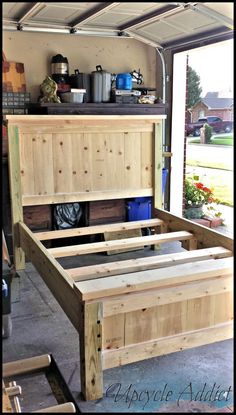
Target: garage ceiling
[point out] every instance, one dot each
(162, 25)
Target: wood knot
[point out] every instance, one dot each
(85, 148)
(59, 171)
(74, 172)
(61, 143)
(128, 167)
(85, 171)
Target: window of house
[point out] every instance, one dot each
(201, 114)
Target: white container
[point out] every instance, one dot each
(75, 96)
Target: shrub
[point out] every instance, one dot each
(208, 132)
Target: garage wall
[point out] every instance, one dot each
(35, 50)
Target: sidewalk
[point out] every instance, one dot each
(228, 216)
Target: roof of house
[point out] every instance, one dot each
(213, 101)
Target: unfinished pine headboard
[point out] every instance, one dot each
(65, 159)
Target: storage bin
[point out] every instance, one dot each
(140, 208)
(164, 177)
(74, 97)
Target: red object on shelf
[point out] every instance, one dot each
(63, 88)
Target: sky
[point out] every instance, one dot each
(214, 65)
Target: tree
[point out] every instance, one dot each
(194, 87)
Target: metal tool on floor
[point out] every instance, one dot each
(32, 366)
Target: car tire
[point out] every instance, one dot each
(228, 129)
(196, 132)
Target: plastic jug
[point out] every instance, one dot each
(101, 85)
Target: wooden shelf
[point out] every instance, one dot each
(98, 109)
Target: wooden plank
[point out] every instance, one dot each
(142, 264)
(88, 127)
(132, 156)
(122, 243)
(206, 237)
(190, 245)
(92, 230)
(42, 152)
(62, 163)
(223, 307)
(28, 200)
(6, 403)
(55, 277)
(154, 348)
(113, 333)
(13, 390)
(80, 164)
(74, 119)
(177, 316)
(98, 169)
(115, 161)
(91, 352)
(64, 407)
(15, 190)
(147, 146)
(154, 322)
(27, 164)
(161, 296)
(5, 253)
(158, 165)
(123, 234)
(147, 280)
(23, 366)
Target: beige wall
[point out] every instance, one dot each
(35, 50)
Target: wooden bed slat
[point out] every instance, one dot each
(142, 264)
(119, 244)
(138, 281)
(92, 230)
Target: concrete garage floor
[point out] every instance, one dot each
(177, 382)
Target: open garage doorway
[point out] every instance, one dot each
(207, 73)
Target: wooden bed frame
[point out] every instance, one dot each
(130, 310)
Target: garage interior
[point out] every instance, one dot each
(121, 37)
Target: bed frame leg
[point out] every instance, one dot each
(91, 352)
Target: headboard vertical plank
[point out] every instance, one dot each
(16, 195)
(158, 166)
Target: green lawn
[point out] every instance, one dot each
(220, 181)
(224, 139)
